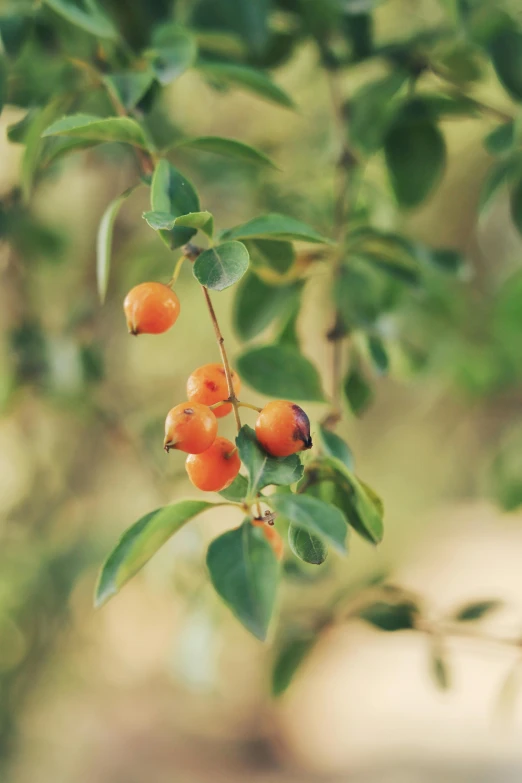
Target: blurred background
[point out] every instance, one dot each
(163, 683)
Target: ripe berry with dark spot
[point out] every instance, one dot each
(208, 385)
(283, 428)
(216, 468)
(151, 308)
(190, 427)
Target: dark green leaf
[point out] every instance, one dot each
(202, 221)
(172, 193)
(306, 546)
(390, 616)
(288, 660)
(500, 140)
(334, 446)
(102, 129)
(263, 469)
(245, 573)
(361, 294)
(14, 31)
(446, 260)
(315, 516)
(140, 542)
(237, 491)
(372, 110)
(516, 205)
(89, 16)
(357, 391)
(257, 304)
(378, 354)
(416, 157)
(280, 371)
(104, 243)
(277, 227)
(279, 256)
(230, 148)
(249, 78)
(506, 54)
(476, 610)
(220, 267)
(129, 87)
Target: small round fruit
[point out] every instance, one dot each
(151, 308)
(190, 427)
(283, 428)
(208, 385)
(275, 540)
(216, 468)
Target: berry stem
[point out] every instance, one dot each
(248, 405)
(224, 358)
(177, 269)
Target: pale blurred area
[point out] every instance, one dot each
(163, 684)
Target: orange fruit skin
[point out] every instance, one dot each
(283, 428)
(190, 427)
(216, 468)
(208, 385)
(275, 540)
(151, 308)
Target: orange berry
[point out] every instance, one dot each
(151, 308)
(216, 468)
(275, 540)
(208, 385)
(190, 427)
(283, 428)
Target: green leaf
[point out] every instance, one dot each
(390, 616)
(516, 205)
(172, 193)
(279, 256)
(500, 140)
(446, 259)
(37, 122)
(315, 516)
(306, 546)
(257, 304)
(378, 354)
(263, 469)
(357, 391)
(361, 294)
(506, 54)
(245, 573)
(237, 491)
(174, 51)
(276, 227)
(202, 221)
(3, 82)
(505, 171)
(288, 660)
(129, 87)
(87, 15)
(334, 446)
(249, 78)
(102, 129)
(104, 243)
(14, 32)
(415, 154)
(372, 110)
(439, 665)
(220, 267)
(140, 542)
(280, 371)
(476, 610)
(229, 148)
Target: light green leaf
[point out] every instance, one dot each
(102, 129)
(249, 78)
(263, 469)
(230, 148)
(220, 267)
(129, 87)
(306, 546)
(334, 446)
(288, 660)
(104, 243)
(237, 491)
(276, 227)
(172, 193)
(257, 304)
(174, 51)
(203, 221)
(280, 371)
(140, 542)
(506, 54)
(89, 16)
(315, 516)
(245, 574)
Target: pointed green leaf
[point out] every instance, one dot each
(306, 546)
(263, 469)
(172, 193)
(249, 78)
(315, 516)
(506, 54)
(245, 574)
(357, 391)
(390, 616)
(378, 354)
(102, 129)
(230, 148)
(334, 446)
(220, 267)
(203, 221)
(476, 610)
(88, 15)
(237, 491)
(257, 304)
(276, 227)
(288, 660)
(14, 32)
(140, 542)
(104, 243)
(280, 371)
(129, 87)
